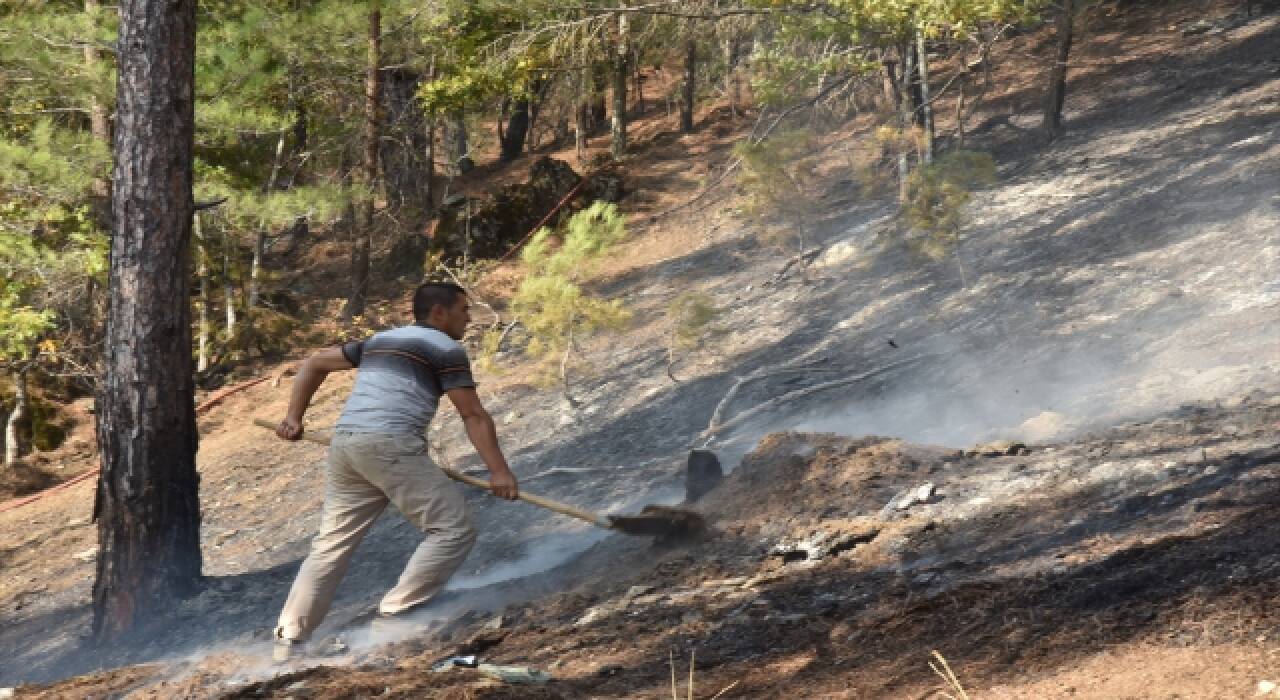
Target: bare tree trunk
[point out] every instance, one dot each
(512, 141)
(368, 171)
(147, 506)
(581, 116)
(99, 121)
(906, 121)
(202, 277)
(638, 83)
(622, 52)
(228, 291)
(455, 142)
(922, 57)
(731, 87)
(429, 154)
(12, 432)
(688, 87)
(260, 236)
(599, 112)
(537, 101)
(402, 148)
(890, 88)
(1051, 126)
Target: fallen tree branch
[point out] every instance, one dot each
(709, 434)
(718, 414)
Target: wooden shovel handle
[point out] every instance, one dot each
(533, 498)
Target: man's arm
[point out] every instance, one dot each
(310, 376)
(484, 436)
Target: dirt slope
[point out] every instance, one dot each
(1136, 562)
(1125, 271)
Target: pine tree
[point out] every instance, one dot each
(551, 302)
(147, 506)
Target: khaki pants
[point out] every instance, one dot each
(364, 473)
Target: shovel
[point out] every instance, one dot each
(660, 521)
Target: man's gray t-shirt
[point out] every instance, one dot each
(403, 373)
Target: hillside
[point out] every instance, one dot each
(1112, 304)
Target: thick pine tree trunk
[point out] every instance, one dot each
(1051, 126)
(12, 428)
(622, 52)
(147, 507)
(368, 171)
(688, 86)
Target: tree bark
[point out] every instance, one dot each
(455, 143)
(260, 236)
(638, 83)
(228, 291)
(517, 130)
(599, 112)
(147, 505)
(890, 88)
(1051, 126)
(99, 122)
(913, 86)
(688, 87)
(582, 115)
(368, 171)
(403, 149)
(926, 109)
(202, 278)
(906, 121)
(429, 172)
(12, 428)
(731, 89)
(622, 52)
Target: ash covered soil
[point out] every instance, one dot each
(1114, 305)
(1139, 561)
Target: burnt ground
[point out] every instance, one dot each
(1159, 536)
(1124, 272)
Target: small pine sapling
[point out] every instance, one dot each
(779, 182)
(938, 194)
(557, 313)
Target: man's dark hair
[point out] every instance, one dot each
(434, 294)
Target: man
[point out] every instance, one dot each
(378, 456)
